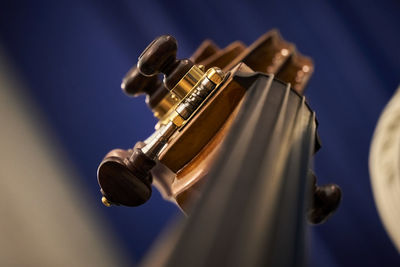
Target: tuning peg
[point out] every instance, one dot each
(124, 177)
(135, 83)
(325, 201)
(160, 57)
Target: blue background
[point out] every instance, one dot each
(72, 55)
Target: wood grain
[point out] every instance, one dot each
(188, 142)
(192, 151)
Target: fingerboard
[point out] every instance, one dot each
(253, 209)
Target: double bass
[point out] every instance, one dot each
(233, 148)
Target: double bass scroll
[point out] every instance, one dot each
(196, 106)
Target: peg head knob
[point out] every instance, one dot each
(135, 83)
(325, 201)
(125, 178)
(160, 57)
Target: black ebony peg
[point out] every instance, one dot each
(160, 57)
(124, 177)
(135, 83)
(325, 201)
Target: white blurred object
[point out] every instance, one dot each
(384, 166)
(44, 218)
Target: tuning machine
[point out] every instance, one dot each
(125, 178)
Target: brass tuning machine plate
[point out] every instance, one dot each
(193, 90)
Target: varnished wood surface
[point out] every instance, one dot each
(192, 151)
(271, 54)
(263, 47)
(296, 71)
(186, 143)
(206, 49)
(223, 58)
(268, 53)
